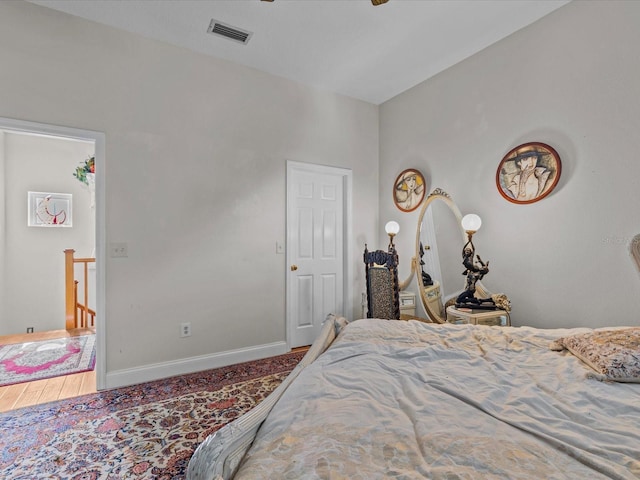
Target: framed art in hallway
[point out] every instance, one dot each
(528, 173)
(49, 209)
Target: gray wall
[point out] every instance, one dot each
(196, 151)
(569, 80)
(33, 274)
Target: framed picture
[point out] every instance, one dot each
(528, 173)
(49, 209)
(408, 190)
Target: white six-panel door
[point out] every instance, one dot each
(317, 210)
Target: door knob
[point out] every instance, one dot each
(294, 268)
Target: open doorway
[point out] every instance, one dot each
(43, 158)
(37, 167)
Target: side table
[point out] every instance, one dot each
(478, 317)
(407, 303)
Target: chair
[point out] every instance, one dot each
(383, 291)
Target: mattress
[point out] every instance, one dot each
(393, 399)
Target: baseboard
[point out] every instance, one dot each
(148, 373)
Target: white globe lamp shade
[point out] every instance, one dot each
(392, 228)
(471, 222)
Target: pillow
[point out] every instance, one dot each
(615, 354)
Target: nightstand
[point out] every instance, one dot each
(478, 317)
(407, 303)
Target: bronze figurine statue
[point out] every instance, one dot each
(474, 271)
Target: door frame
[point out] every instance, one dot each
(98, 138)
(347, 284)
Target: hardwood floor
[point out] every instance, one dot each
(50, 389)
(58, 388)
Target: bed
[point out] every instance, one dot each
(377, 399)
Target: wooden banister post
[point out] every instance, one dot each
(85, 312)
(70, 303)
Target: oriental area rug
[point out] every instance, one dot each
(146, 431)
(29, 361)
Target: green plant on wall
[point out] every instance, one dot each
(81, 172)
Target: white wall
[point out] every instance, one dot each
(33, 286)
(570, 80)
(3, 229)
(195, 176)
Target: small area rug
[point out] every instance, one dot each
(146, 431)
(29, 361)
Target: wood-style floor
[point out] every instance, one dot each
(50, 389)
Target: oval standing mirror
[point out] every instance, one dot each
(438, 260)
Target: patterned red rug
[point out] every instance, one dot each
(29, 361)
(146, 431)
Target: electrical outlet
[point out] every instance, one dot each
(185, 329)
(118, 249)
(29, 329)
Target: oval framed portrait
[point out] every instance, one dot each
(408, 190)
(528, 173)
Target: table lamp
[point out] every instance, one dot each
(392, 228)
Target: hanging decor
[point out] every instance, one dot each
(86, 172)
(49, 209)
(408, 190)
(528, 173)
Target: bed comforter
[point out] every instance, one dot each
(406, 400)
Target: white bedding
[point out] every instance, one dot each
(394, 399)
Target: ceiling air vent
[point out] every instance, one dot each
(227, 31)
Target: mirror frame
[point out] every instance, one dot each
(438, 194)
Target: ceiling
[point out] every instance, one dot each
(349, 47)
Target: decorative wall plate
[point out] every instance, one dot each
(408, 190)
(528, 173)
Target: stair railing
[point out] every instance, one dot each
(77, 314)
